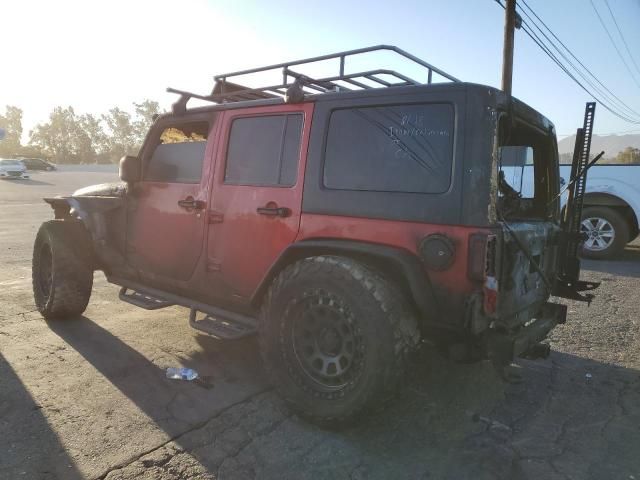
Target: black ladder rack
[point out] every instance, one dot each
(225, 91)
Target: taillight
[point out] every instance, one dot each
(481, 267)
(481, 250)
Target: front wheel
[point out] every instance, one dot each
(335, 336)
(606, 230)
(62, 269)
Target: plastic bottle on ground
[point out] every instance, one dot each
(181, 373)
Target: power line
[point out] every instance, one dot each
(621, 35)
(614, 43)
(546, 49)
(538, 41)
(619, 101)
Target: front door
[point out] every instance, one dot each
(257, 194)
(167, 214)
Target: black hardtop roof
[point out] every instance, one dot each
(485, 95)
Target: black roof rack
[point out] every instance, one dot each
(225, 91)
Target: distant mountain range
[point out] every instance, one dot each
(611, 144)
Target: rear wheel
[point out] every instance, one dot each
(62, 269)
(607, 232)
(335, 336)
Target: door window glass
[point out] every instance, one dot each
(179, 154)
(264, 150)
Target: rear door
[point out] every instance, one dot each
(167, 211)
(257, 194)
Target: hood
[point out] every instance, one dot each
(116, 189)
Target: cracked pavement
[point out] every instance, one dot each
(88, 399)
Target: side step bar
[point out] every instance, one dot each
(227, 326)
(143, 299)
(217, 322)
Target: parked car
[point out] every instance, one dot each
(611, 203)
(341, 226)
(13, 169)
(38, 164)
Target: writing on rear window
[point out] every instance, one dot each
(399, 148)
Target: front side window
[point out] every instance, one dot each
(264, 151)
(399, 148)
(178, 154)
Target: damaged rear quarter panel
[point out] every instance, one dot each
(522, 290)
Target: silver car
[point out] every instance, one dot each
(10, 168)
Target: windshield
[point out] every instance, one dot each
(15, 163)
(527, 176)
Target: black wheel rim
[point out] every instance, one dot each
(45, 270)
(327, 342)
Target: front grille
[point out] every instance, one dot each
(14, 174)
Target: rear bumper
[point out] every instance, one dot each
(505, 346)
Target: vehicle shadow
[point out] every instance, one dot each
(20, 455)
(458, 422)
(449, 421)
(231, 374)
(627, 264)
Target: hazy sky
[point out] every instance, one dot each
(97, 54)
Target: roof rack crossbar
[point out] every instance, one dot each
(227, 91)
(356, 83)
(382, 82)
(324, 83)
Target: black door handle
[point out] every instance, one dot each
(274, 211)
(190, 203)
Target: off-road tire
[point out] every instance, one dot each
(357, 298)
(62, 269)
(620, 229)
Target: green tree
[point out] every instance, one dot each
(97, 139)
(11, 121)
(69, 138)
(146, 112)
(121, 134)
(54, 137)
(628, 155)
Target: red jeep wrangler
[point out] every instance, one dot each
(342, 218)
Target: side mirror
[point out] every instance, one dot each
(130, 169)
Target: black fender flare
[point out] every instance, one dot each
(90, 211)
(404, 267)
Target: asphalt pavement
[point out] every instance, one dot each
(88, 398)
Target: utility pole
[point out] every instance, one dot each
(507, 50)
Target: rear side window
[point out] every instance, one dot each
(401, 148)
(264, 150)
(179, 154)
